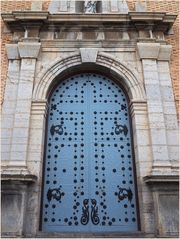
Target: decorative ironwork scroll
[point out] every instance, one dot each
(94, 212)
(121, 129)
(124, 193)
(58, 129)
(85, 212)
(55, 193)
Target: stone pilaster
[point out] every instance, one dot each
(150, 53)
(138, 110)
(143, 160)
(28, 52)
(36, 138)
(170, 115)
(9, 106)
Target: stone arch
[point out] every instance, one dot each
(130, 80)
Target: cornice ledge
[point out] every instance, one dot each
(27, 178)
(24, 15)
(155, 16)
(152, 179)
(130, 16)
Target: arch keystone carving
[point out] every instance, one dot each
(88, 54)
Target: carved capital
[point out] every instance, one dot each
(12, 51)
(29, 50)
(154, 51)
(165, 53)
(148, 50)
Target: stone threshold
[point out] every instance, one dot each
(94, 235)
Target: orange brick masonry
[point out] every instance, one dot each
(168, 6)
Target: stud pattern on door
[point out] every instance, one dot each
(89, 175)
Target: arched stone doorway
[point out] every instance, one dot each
(89, 176)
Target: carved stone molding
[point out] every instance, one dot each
(39, 107)
(21, 178)
(15, 173)
(159, 179)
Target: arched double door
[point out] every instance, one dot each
(89, 174)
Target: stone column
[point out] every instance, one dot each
(28, 52)
(149, 54)
(9, 105)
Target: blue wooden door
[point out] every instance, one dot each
(89, 175)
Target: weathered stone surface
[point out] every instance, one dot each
(13, 205)
(29, 50)
(168, 215)
(88, 54)
(63, 5)
(148, 50)
(123, 6)
(11, 213)
(105, 6)
(114, 5)
(54, 6)
(12, 51)
(140, 7)
(36, 5)
(165, 53)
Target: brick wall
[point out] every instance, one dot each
(169, 6)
